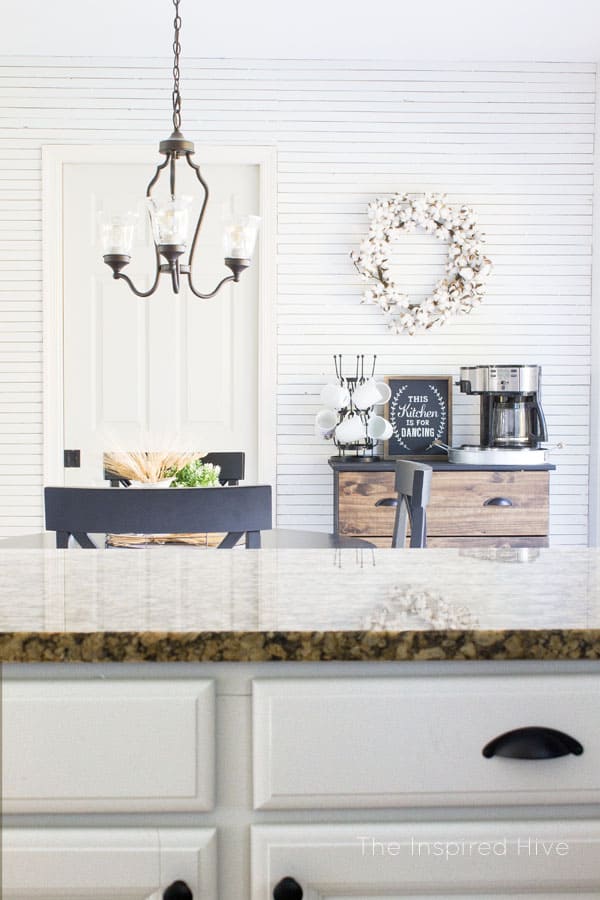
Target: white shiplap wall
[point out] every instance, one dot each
(514, 140)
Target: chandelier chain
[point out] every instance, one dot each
(176, 96)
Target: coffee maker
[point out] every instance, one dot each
(512, 423)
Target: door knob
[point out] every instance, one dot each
(178, 891)
(532, 743)
(287, 889)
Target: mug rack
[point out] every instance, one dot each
(363, 450)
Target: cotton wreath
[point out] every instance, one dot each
(466, 270)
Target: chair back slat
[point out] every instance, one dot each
(413, 486)
(158, 511)
(232, 465)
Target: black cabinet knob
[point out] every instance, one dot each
(498, 501)
(387, 501)
(532, 743)
(287, 889)
(178, 891)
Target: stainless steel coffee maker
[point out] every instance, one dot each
(512, 420)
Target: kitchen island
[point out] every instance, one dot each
(232, 718)
(182, 605)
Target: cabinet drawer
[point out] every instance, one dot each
(93, 746)
(438, 860)
(460, 542)
(417, 741)
(459, 504)
(98, 863)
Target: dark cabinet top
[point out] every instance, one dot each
(387, 465)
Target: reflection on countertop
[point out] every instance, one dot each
(171, 604)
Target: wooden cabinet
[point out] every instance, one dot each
(467, 508)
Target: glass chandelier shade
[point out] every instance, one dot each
(117, 232)
(171, 218)
(170, 221)
(239, 237)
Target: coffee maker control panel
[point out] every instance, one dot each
(504, 379)
(499, 379)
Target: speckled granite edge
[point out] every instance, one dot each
(298, 646)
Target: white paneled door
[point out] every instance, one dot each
(171, 369)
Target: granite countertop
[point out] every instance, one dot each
(180, 604)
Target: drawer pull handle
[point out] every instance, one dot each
(532, 743)
(177, 891)
(287, 889)
(498, 501)
(387, 501)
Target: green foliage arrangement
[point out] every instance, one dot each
(197, 474)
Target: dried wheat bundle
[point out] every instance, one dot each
(147, 466)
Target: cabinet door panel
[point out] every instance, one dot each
(106, 863)
(94, 746)
(398, 862)
(418, 741)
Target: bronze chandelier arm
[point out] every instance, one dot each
(128, 280)
(156, 175)
(196, 169)
(212, 293)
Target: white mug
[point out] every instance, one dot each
(366, 395)
(379, 428)
(325, 422)
(350, 430)
(384, 391)
(335, 396)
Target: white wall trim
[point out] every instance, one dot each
(54, 159)
(594, 477)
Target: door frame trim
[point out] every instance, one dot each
(54, 158)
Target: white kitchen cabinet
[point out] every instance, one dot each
(499, 860)
(108, 745)
(389, 742)
(115, 767)
(106, 863)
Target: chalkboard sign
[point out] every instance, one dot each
(420, 411)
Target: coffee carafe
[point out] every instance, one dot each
(511, 416)
(515, 423)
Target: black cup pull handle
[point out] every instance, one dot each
(287, 889)
(387, 501)
(498, 501)
(179, 890)
(532, 743)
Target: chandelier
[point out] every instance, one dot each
(170, 218)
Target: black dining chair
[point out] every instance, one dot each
(83, 511)
(232, 465)
(413, 489)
